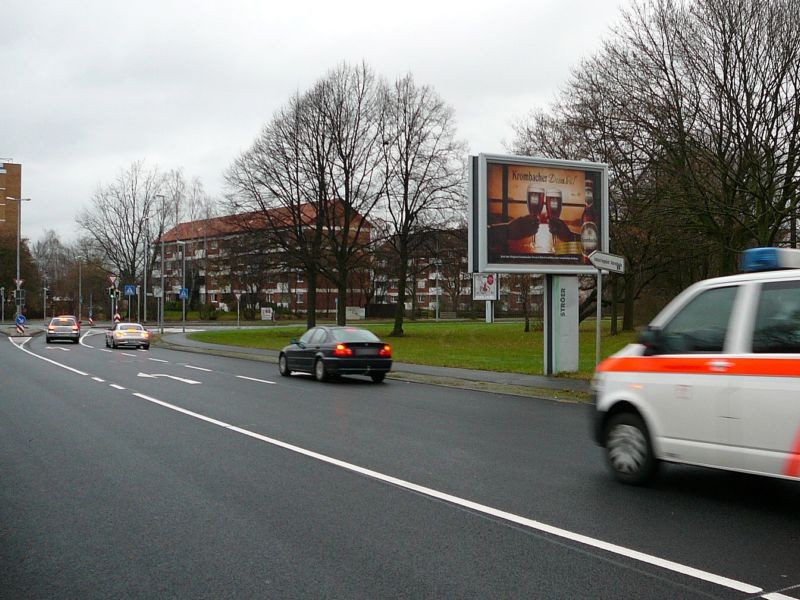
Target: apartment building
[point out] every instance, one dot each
(10, 187)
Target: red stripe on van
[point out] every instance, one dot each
(720, 364)
(792, 467)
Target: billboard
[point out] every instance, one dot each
(535, 215)
(484, 286)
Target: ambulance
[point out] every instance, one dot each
(713, 381)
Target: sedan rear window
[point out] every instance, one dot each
(63, 321)
(351, 334)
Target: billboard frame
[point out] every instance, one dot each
(478, 252)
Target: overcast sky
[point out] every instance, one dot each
(90, 87)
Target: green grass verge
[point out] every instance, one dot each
(500, 346)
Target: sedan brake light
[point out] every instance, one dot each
(386, 351)
(342, 350)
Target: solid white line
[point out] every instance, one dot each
(158, 360)
(488, 510)
(98, 379)
(254, 379)
(777, 596)
(20, 346)
(198, 368)
(117, 387)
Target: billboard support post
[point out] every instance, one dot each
(560, 324)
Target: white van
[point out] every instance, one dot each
(714, 380)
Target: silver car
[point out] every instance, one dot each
(64, 327)
(128, 334)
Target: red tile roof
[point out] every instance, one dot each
(239, 223)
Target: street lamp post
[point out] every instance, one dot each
(163, 295)
(19, 228)
(146, 253)
(182, 244)
(2, 305)
(80, 289)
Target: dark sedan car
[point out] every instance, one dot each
(326, 351)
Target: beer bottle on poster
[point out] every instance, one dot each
(590, 237)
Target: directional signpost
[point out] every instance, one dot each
(603, 261)
(20, 324)
(607, 262)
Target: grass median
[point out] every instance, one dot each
(502, 346)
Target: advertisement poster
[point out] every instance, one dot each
(540, 215)
(484, 286)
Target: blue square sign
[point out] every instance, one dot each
(130, 289)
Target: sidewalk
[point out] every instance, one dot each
(514, 383)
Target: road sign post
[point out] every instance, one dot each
(609, 262)
(238, 307)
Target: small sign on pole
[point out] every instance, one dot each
(609, 262)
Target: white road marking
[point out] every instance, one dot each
(117, 387)
(181, 379)
(126, 354)
(158, 360)
(105, 349)
(56, 348)
(482, 508)
(58, 364)
(254, 379)
(197, 368)
(98, 379)
(21, 340)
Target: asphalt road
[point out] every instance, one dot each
(164, 474)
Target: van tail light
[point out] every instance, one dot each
(342, 350)
(386, 351)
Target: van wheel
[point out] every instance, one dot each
(629, 452)
(319, 370)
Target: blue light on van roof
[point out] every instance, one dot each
(768, 259)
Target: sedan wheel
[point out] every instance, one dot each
(628, 449)
(378, 377)
(283, 366)
(319, 370)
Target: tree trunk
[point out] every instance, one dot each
(400, 310)
(311, 298)
(630, 292)
(614, 306)
(341, 302)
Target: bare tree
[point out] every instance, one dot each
(283, 179)
(423, 168)
(117, 217)
(347, 98)
(713, 83)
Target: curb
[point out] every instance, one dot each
(556, 395)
